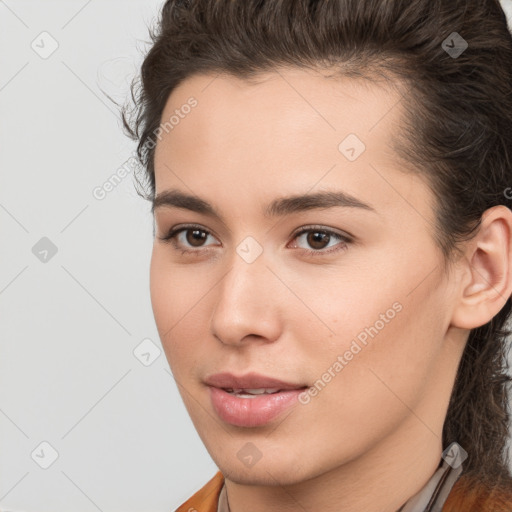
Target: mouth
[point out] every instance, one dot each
(253, 393)
(245, 409)
(251, 400)
(251, 383)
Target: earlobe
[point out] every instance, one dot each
(487, 281)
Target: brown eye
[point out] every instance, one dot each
(195, 237)
(318, 239)
(188, 239)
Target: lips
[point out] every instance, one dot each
(251, 400)
(249, 381)
(252, 411)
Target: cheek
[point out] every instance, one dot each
(162, 290)
(180, 308)
(166, 290)
(379, 335)
(171, 289)
(342, 304)
(387, 367)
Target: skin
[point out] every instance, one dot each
(371, 438)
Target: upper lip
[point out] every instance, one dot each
(248, 381)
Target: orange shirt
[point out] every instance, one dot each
(467, 495)
(207, 498)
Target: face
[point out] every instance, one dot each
(345, 299)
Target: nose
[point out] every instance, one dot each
(248, 304)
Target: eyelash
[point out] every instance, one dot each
(170, 238)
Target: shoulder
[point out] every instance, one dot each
(470, 492)
(206, 498)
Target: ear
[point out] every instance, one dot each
(486, 274)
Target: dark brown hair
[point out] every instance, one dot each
(457, 130)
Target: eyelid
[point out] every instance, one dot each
(319, 227)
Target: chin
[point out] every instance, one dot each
(263, 474)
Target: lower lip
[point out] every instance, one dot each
(252, 412)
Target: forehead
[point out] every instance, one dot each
(290, 131)
(287, 102)
(284, 112)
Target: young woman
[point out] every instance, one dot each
(331, 276)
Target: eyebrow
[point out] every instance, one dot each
(277, 208)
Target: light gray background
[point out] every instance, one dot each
(69, 326)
